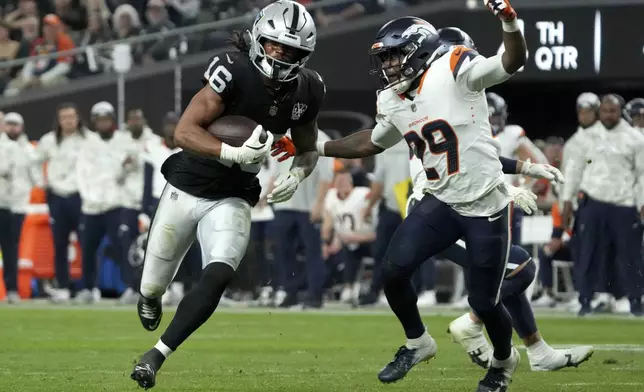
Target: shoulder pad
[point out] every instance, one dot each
(459, 56)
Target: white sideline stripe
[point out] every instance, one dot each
(582, 384)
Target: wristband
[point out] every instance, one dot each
(511, 26)
(228, 153)
(320, 148)
(557, 232)
(298, 173)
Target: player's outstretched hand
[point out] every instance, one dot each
(285, 147)
(524, 199)
(502, 9)
(286, 185)
(253, 150)
(540, 170)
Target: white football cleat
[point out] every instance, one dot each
(559, 359)
(470, 335)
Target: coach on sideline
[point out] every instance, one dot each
(299, 218)
(8, 243)
(391, 170)
(612, 179)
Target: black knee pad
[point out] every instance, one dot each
(520, 282)
(217, 275)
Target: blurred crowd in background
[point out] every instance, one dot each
(37, 27)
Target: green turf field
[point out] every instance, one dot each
(49, 349)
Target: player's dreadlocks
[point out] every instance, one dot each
(240, 40)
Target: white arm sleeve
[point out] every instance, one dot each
(482, 73)
(385, 134)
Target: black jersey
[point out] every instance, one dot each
(240, 85)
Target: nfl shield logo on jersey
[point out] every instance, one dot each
(298, 110)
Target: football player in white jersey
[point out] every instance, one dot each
(514, 144)
(467, 330)
(634, 112)
(434, 97)
(344, 229)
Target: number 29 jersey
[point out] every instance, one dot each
(446, 126)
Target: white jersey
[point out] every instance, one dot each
(347, 213)
(447, 126)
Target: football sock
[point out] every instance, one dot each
(402, 299)
(422, 341)
(163, 349)
(539, 349)
(198, 305)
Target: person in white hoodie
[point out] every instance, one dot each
(8, 242)
(154, 182)
(101, 167)
(60, 149)
(141, 137)
(24, 176)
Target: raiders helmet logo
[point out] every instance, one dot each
(298, 110)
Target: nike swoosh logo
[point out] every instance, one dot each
(255, 148)
(229, 60)
(493, 218)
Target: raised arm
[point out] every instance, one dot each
(491, 71)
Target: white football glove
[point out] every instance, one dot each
(524, 199)
(251, 152)
(540, 170)
(286, 185)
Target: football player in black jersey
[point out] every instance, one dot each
(211, 185)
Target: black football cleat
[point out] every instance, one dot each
(145, 372)
(404, 360)
(150, 312)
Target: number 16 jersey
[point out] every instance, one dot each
(446, 126)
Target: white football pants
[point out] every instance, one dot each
(221, 226)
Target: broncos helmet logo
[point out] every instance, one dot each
(419, 32)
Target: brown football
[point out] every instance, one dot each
(234, 130)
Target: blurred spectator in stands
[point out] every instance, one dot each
(92, 61)
(345, 11)
(45, 72)
(158, 21)
(183, 12)
(72, 13)
(8, 51)
(139, 5)
(126, 22)
(29, 33)
(25, 10)
(59, 149)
